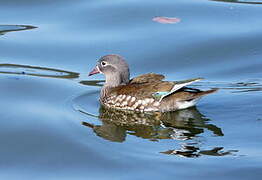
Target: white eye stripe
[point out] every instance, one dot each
(97, 67)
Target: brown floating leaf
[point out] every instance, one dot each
(166, 20)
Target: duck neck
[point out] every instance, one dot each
(113, 80)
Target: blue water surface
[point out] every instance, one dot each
(52, 126)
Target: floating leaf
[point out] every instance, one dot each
(166, 20)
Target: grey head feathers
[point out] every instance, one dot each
(115, 69)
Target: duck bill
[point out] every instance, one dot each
(94, 71)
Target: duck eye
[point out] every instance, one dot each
(103, 63)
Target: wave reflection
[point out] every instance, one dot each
(36, 71)
(237, 1)
(10, 28)
(251, 85)
(192, 151)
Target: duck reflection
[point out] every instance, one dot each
(184, 125)
(181, 125)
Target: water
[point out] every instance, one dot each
(52, 126)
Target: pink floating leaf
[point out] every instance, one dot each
(166, 20)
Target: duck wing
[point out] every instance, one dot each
(176, 86)
(152, 89)
(147, 78)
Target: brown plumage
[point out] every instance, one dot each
(146, 92)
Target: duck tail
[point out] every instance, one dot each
(203, 93)
(191, 101)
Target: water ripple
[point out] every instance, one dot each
(251, 85)
(237, 1)
(9, 28)
(36, 71)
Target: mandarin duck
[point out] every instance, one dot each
(144, 93)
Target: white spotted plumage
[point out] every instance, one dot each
(157, 103)
(128, 98)
(133, 99)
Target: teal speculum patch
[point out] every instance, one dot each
(159, 95)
